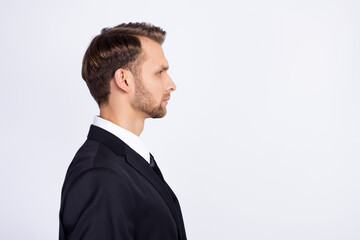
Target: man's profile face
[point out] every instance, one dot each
(153, 85)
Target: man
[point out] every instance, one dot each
(113, 188)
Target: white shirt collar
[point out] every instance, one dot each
(126, 136)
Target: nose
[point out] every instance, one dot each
(171, 85)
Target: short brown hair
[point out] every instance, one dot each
(114, 48)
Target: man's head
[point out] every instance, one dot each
(128, 60)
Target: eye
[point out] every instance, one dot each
(160, 71)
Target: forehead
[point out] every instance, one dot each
(153, 53)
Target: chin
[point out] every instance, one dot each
(159, 113)
(158, 116)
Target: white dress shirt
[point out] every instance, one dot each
(126, 136)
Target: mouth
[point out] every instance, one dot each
(166, 100)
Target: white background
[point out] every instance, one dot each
(262, 136)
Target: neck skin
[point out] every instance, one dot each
(123, 118)
(120, 112)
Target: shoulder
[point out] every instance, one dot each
(96, 179)
(94, 196)
(95, 163)
(93, 154)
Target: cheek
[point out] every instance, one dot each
(157, 88)
(159, 93)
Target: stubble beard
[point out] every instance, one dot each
(145, 102)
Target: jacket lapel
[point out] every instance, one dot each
(137, 162)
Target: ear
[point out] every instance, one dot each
(123, 79)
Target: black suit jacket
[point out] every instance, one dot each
(110, 192)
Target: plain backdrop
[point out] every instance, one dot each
(262, 136)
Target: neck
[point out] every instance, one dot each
(129, 120)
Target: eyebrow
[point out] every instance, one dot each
(163, 67)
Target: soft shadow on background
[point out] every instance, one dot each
(262, 136)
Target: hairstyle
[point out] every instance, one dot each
(114, 48)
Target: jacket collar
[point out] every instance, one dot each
(108, 139)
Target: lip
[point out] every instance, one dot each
(166, 100)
